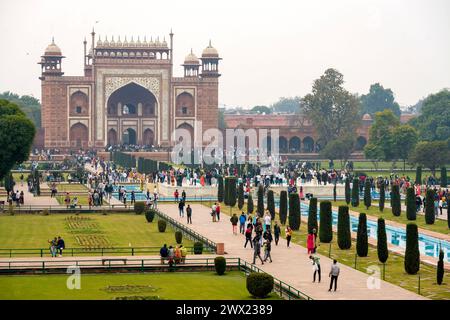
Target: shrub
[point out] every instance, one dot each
(395, 201)
(412, 254)
(260, 204)
(448, 212)
(325, 227)
(250, 206)
(410, 202)
(271, 204)
(382, 197)
(45, 212)
(150, 215)
(362, 244)
(230, 191)
(259, 285)
(198, 248)
(220, 264)
(367, 194)
(429, 207)
(241, 196)
(444, 177)
(220, 192)
(344, 239)
(440, 268)
(334, 193)
(294, 211)
(139, 207)
(312, 215)
(382, 247)
(178, 236)
(283, 207)
(162, 224)
(419, 175)
(347, 190)
(355, 193)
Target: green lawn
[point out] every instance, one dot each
(438, 226)
(82, 199)
(70, 187)
(395, 272)
(83, 231)
(182, 285)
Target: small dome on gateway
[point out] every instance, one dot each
(191, 58)
(52, 49)
(367, 117)
(210, 51)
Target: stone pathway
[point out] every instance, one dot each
(291, 265)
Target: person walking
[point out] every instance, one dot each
(267, 249)
(248, 236)
(288, 235)
(310, 243)
(334, 274)
(242, 220)
(257, 249)
(234, 220)
(181, 208)
(133, 197)
(218, 212)
(276, 232)
(175, 195)
(316, 267)
(213, 212)
(189, 214)
(267, 221)
(183, 195)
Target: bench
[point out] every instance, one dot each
(114, 259)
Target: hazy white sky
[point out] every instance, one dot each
(269, 48)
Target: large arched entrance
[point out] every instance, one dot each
(185, 105)
(360, 143)
(112, 137)
(149, 137)
(129, 136)
(130, 101)
(190, 132)
(308, 144)
(79, 135)
(283, 144)
(294, 145)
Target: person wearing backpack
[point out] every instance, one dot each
(242, 220)
(248, 236)
(234, 220)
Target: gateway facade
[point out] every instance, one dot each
(127, 95)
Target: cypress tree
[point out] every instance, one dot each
(294, 211)
(419, 175)
(347, 190)
(362, 242)
(344, 239)
(241, 196)
(220, 193)
(412, 254)
(8, 182)
(429, 207)
(367, 194)
(326, 223)
(444, 177)
(382, 247)
(448, 212)
(382, 197)
(260, 208)
(334, 193)
(230, 191)
(355, 193)
(271, 203)
(283, 207)
(226, 190)
(250, 206)
(312, 215)
(440, 268)
(410, 202)
(395, 200)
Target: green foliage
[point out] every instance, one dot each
(325, 226)
(261, 110)
(382, 247)
(379, 99)
(418, 175)
(230, 191)
(139, 207)
(332, 109)
(355, 193)
(8, 182)
(344, 238)
(241, 196)
(179, 236)
(440, 268)
(347, 190)
(382, 197)
(334, 193)
(412, 254)
(260, 204)
(395, 200)
(340, 148)
(150, 215)
(250, 206)
(431, 155)
(16, 128)
(312, 215)
(367, 194)
(259, 285)
(294, 211)
(271, 203)
(444, 177)
(220, 264)
(28, 104)
(429, 206)
(162, 225)
(404, 138)
(362, 242)
(289, 105)
(198, 247)
(410, 202)
(220, 191)
(283, 207)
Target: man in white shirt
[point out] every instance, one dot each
(213, 212)
(334, 274)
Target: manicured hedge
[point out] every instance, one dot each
(444, 177)
(271, 203)
(260, 204)
(240, 196)
(178, 236)
(326, 223)
(382, 247)
(395, 200)
(347, 190)
(294, 211)
(344, 238)
(139, 207)
(220, 264)
(312, 215)
(198, 248)
(250, 206)
(362, 242)
(220, 191)
(382, 197)
(440, 268)
(283, 207)
(367, 194)
(230, 191)
(259, 284)
(429, 206)
(150, 215)
(162, 225)
(412, 254)
(355, 193)
(410, 202)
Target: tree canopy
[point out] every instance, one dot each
(28, 104)
(16, 133)
(289, 105)
(432, 155)
(262, 109)
(378, 99)
(381, 139)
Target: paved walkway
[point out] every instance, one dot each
(290, 265)
(29, 199)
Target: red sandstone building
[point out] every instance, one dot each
(128, 94)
